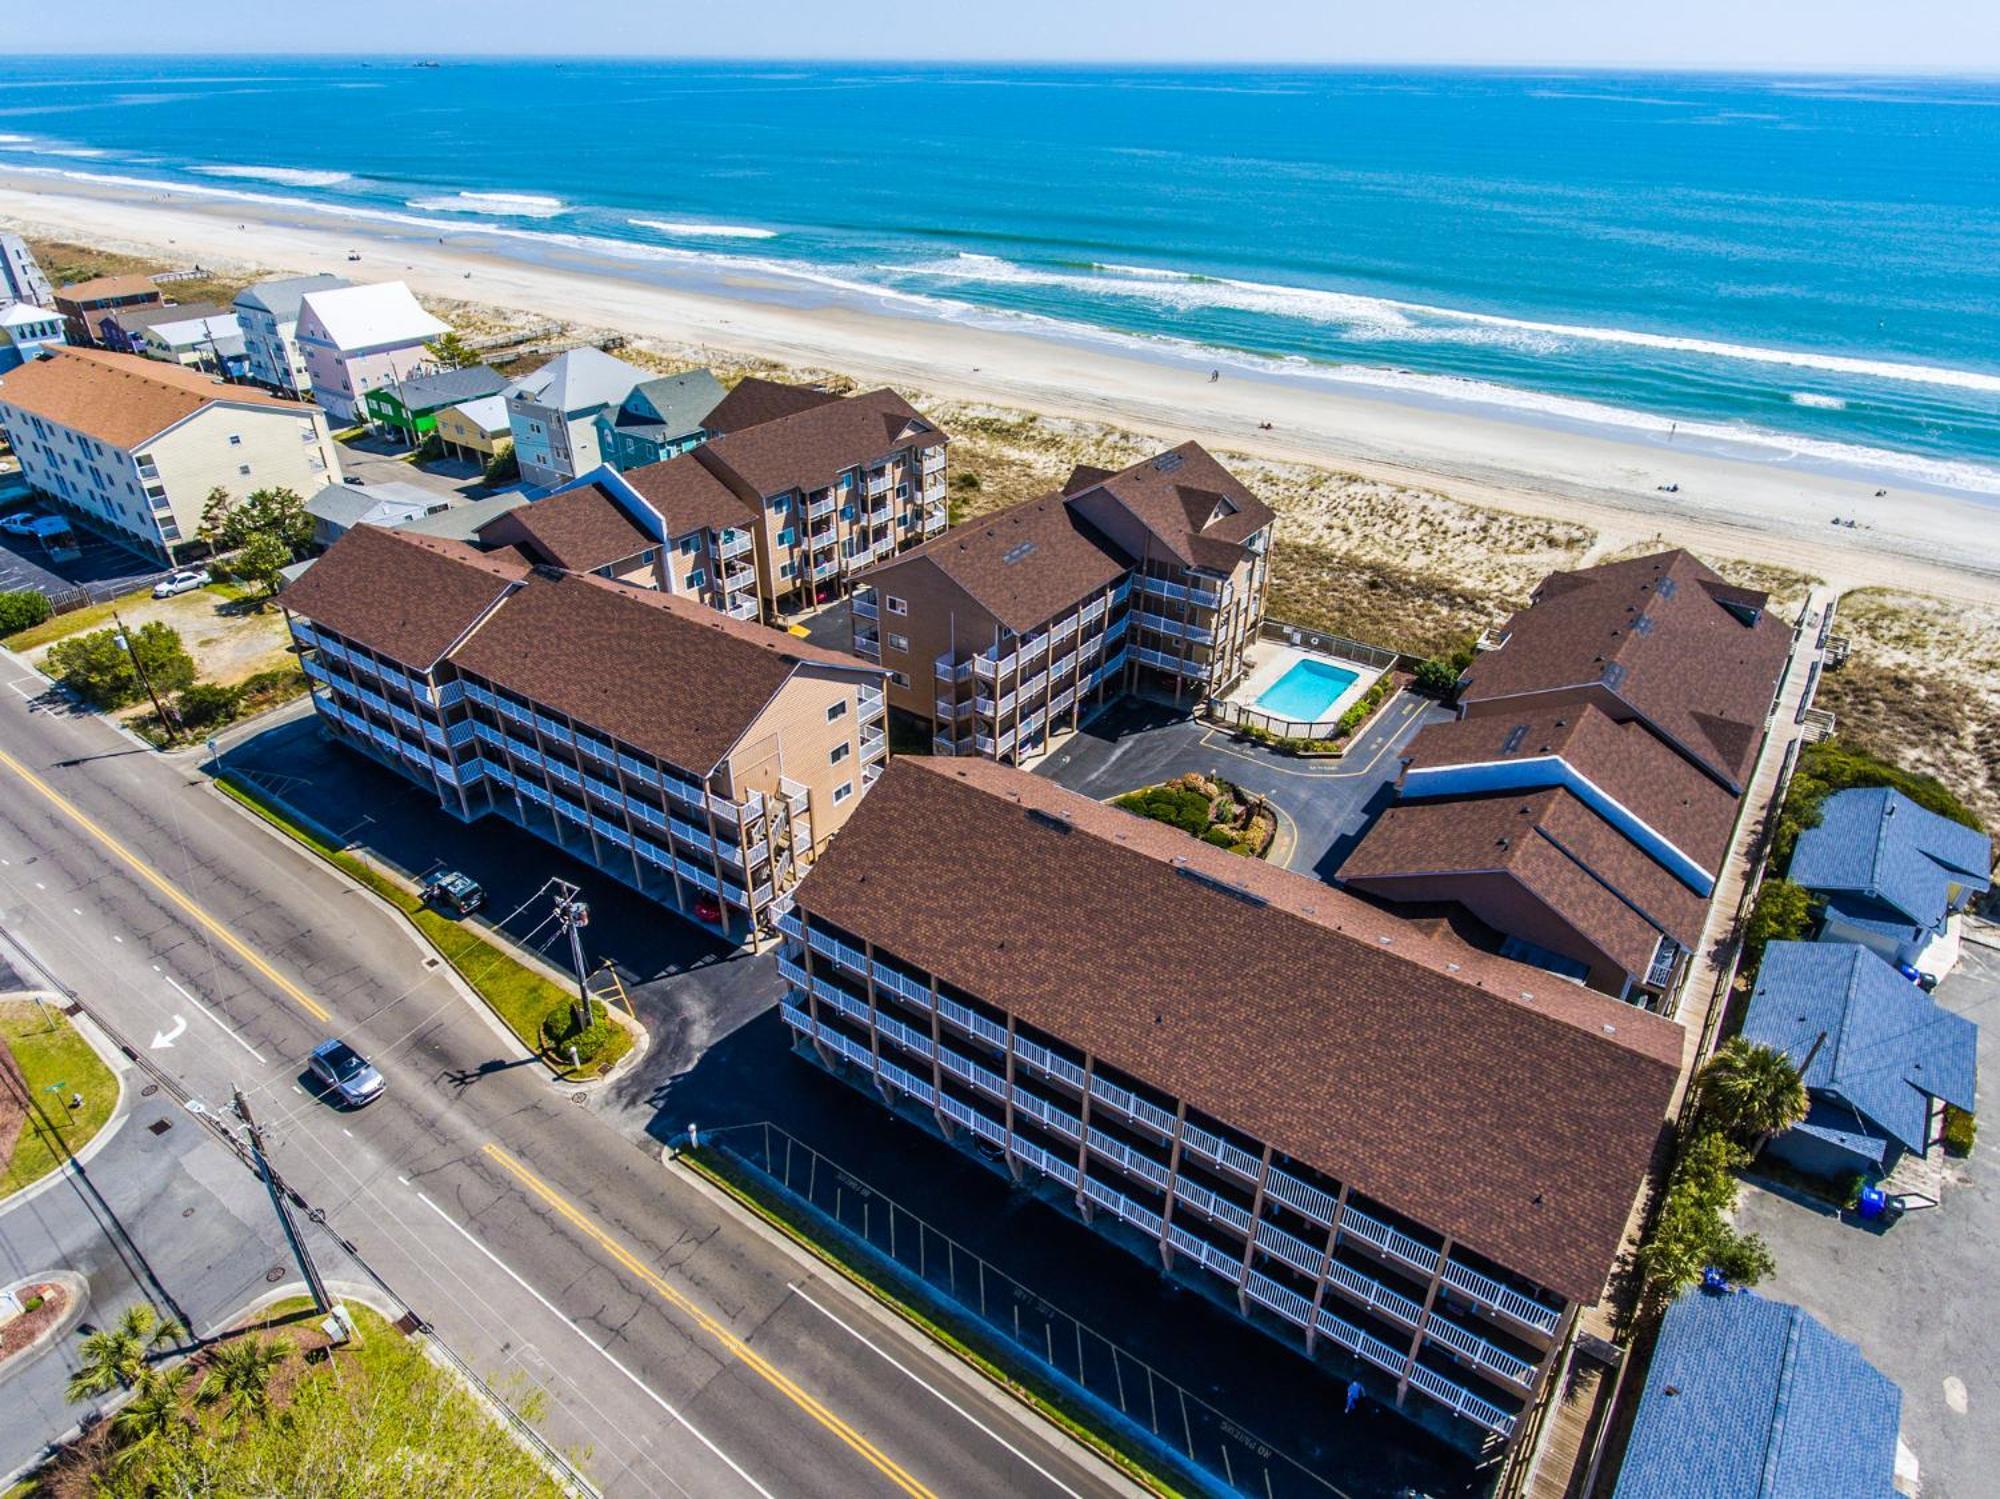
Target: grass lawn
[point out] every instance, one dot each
(61, 626)
(519, 995)
(373, 1416)
(52, 1053)
(931, 1315)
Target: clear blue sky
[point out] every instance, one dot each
(1885, 35)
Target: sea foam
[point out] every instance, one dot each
(283, 176)
(510, 205)
(702, 231)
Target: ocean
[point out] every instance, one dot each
(1804, 270)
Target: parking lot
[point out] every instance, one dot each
(103, 571)
(1914, 1294)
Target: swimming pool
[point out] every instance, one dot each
(1307, 691)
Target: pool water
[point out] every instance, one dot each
(1306, 691)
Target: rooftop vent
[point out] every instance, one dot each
(1221, 887)
(1668, 588)
(1513, 740)
(1166, 463)
(1049, 820)
(1016, 552)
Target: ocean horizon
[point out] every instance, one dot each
(1800, 269)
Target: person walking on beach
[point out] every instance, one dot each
(1213, 376)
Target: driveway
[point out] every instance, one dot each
(1326, 804)
(1917, 1297)
(376, 460)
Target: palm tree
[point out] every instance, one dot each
(1753, 1089)
(152, 1414)
(240, 1376)
(116, 1356)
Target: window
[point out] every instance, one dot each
(842, 792)
(900, 678)
(690, 543)
(840, 752)
(779, 502)
(788, 569)
(896, 605)
(646, 557)
(837, 711)
(787, 537)
(897, 642)
(697, 577)
(902, 491)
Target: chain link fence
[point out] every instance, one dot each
(1173, 1427)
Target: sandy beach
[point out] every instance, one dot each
(1765, 513)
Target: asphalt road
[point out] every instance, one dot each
(689, 1353)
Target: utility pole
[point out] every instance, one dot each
(322, 1304)
(574, 915)
(170, 724)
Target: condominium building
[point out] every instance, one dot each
(1582, 807)
(268, 314)
(83, 303)
(700, 760)
(553, 412)
(1406, 1158)
(834, 484)
(355, 339)
(21, 275)
(1005, 633)
(138, 444)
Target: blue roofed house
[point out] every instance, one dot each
(1754, 1399)
(659, 420)
(1879, 1056)
(1890, 872)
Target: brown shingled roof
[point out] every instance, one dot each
(1024, 565)
(580, 529)
(689, 497)
(809, 449)
(1624, 760)
(1521, 1126)
(100, 287)
(1662, 633)
(753, 401)
(1579, 866)
(122, 399)
(666, 674)
(408, 597)
(1196, 508)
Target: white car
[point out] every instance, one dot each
(187, 580)
(21, 522)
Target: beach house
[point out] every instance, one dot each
(408, 409)
(1747, 1398)
(84, 302)
(268, 316)
(358, 338)
(1265, 1089)
(198, 335)
(1578, 813)
(21, 275)
(658, 419)
(136, 445)
(553, 412)
(1879, 1057)
(25, 330)
(477, 431)
(1891, 874)
(702, 761)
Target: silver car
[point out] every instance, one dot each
(347, 1073)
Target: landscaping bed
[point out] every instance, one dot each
(525, 1000)
(1211, 809)
(43, 1304)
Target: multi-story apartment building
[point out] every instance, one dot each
(700, 760)
(553, 412)
(355, 339)
(84, 302)
(1404, 1157)
(1583, 805)
(835, 486)
(268, 314)
(21, 275)
(137, 444)
(1006, 632)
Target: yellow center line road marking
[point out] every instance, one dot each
(160, 883)
(728, 1340)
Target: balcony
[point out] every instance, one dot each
(878, 484)
(738, 578)
(820, 508)
(819, 541)
(1193, 670)
(946, 670)
(935, 524)
(735, 544)
(874, 745)
(1161, 588)
(872, 706)
(933, 460)
(1160, 624)
(863, 607)
(743, 609)
(826, 570)
(867, 643)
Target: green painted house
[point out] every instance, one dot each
(409, 408)
(659, 419)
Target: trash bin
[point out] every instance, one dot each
(1874, 1202)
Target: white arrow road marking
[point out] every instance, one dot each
(215, 1017)
(168, 1038)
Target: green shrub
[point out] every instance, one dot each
(1438, 675)
(1692, 1231)
(1180, 807)
(1960, 1129)
(98, 668)
(502, 468)
(21, 609)
(1220, 837)
(1831, 766)
(205, 705)
(1783, 913)
(560, 1035)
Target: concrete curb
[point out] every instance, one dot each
(79, 1302)
(121, 1110)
